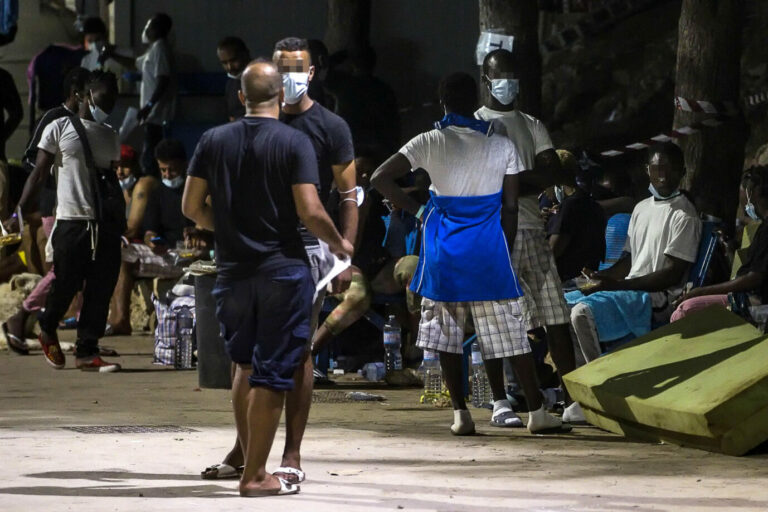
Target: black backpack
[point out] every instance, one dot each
(108, 196)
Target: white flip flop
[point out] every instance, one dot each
(284, 490)
(291, 471)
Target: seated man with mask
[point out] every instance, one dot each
(662, 243)
(164, 226)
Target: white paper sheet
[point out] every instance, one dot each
(330, 267)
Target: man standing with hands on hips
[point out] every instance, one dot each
(262, 178)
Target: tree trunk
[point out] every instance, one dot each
(349, 23)
(519, 18)
(708, 69)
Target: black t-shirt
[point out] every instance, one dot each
(584, 220)
(48, 190)
(250, 166)
(333, 145)
(235, 109)
(757, 261)
(330, 137)
(163, 214)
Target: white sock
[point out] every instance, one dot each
(501, 406)
(462, 422)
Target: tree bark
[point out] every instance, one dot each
(708, 69)
(519, 18)
(348, 24)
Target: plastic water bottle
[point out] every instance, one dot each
(432, 376)
(481, 389)
(185, 329)
(393, 358)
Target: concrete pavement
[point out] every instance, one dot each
(393, 455)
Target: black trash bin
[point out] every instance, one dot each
(213, 363)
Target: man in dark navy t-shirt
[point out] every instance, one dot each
(261, 176)
(332, 142)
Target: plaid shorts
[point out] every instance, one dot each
(150, 264)
(534, 262)
(500, 327)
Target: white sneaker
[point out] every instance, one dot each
(541, 422)
(574, 414)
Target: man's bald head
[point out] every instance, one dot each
(261, 84)
(499, 62)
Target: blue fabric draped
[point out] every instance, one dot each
(464, 254)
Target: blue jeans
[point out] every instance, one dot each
(265, 320)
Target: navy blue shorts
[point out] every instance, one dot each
(265, 320)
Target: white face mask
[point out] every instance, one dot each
(98, 115)
(505, 90)
(96, 46)
(750, 209)
(127, 183)
(655, 193)
(559, 194)
(235, 77)
(174, 183)
(295, 86)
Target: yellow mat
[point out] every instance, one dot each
(702, 381)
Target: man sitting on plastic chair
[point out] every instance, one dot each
(750, 281)
(662, 243)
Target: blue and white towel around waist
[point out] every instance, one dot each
(617, 313)
(464, 253)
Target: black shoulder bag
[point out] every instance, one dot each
(107, 194)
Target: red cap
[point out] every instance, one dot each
(127, 153)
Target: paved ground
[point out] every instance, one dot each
(358, 456)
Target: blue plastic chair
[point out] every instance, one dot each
(706, 249)
(615, 237)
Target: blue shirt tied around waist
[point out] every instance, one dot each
(464, 253)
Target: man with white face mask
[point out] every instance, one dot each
(533, 257)
(332, 142)
(85, 256)
(234, 57)
(158, 87)
(662, 243)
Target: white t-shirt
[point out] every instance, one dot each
(157, 62)
(531, 138)
(74, 197)
(659, 228)
(463, 162)
(91, 62)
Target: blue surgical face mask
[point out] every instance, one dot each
(295, 86)
(174, 183)
(127, 183)
(750, 209)
(505, 89)
(655, 193)
(98, 115)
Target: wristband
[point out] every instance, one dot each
(352, 199)
(420, 213)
